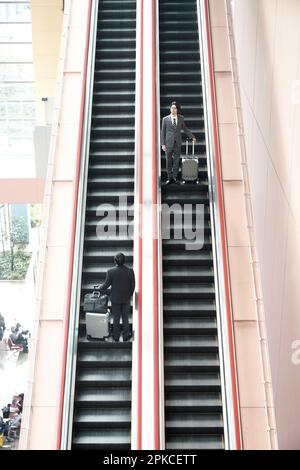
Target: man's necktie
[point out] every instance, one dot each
(174, 123)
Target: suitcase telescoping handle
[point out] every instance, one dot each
(187, 148)
(96, 294)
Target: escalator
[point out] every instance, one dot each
(102, 407)
(193, 401)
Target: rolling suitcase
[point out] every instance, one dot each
(97, 316)
(97, 325)
(190, 165)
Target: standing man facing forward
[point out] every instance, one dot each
(122, 282)
(171, 140)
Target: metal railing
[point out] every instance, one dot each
(70, 371)
(136, 381)
(159, 244)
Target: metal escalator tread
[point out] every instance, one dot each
(102, 407)
(193, 401)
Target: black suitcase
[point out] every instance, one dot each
(190, 165)
(95, 303)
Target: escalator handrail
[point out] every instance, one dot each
(136, 409)
(156, 231)
(70, 333)
(158, 248)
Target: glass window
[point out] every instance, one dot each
(13, 109)
(15, 32)
(15, 12)
(16, 72)
(15, 52)
(17, 110)
(28, 109)
(17, 92)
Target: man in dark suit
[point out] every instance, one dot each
(171, 140)
(122, 282)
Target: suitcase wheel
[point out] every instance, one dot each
(88, 337)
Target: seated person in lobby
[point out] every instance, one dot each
(2, 327)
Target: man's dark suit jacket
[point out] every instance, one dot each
(169, 134)
(122, 282)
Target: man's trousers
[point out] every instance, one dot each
(118, 311)
(173, 163)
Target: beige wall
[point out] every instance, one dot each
(258, 429)
(40, 419)
(46, 35)
(267, 36)
(21, 190)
